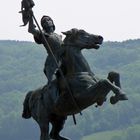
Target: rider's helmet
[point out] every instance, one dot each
(47, 22)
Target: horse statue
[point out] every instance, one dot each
(77, 90)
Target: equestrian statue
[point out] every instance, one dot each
(73, 86)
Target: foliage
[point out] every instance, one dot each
(129, 133)
(21, 70)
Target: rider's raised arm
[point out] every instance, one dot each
(37, 34)
(32, 28)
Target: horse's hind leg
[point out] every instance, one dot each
(57, 125)
(44, 128)
(114, 77)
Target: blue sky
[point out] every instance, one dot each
(115, 20)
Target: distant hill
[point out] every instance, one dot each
(21, 70)
(132, 132)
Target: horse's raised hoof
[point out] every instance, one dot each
(119, 97)
(58, 138)
(122, 97)
(113, 100)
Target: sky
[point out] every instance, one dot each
(115, 20)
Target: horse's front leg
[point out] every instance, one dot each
(44, 128)
(114, 77)
(119, 94)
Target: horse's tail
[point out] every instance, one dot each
(26, 110)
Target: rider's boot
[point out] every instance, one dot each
(100, 101)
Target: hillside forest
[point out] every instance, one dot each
(21, 70)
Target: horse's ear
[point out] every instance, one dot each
(67, 33)
(70, 32)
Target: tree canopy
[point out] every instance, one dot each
(21, 70)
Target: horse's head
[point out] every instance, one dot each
(82, 39)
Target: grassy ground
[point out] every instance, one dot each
(107, 135)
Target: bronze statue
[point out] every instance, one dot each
(72, 85)
(87, 89)
(47, 105)
(50, 40)
(26, 5)
(54, 41)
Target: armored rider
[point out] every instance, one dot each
(52, 44)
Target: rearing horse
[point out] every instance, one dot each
(47, 105)
(85, 87)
